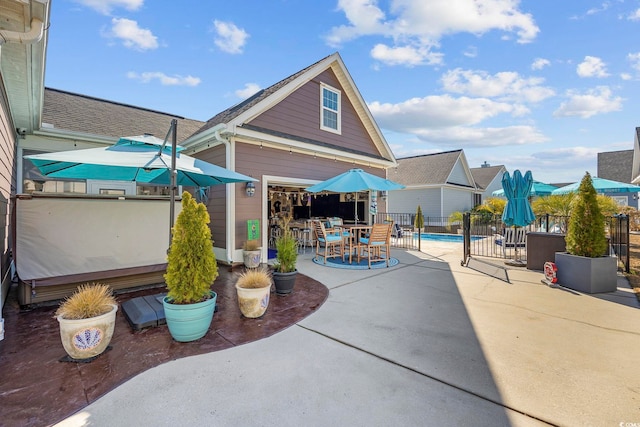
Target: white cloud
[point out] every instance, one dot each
(423, 23)
(634, 16)
(407, 55)
(164, 79)
(540, 63)
(248, 90)
(634, 59)
(133, 36)
(626, 76)
(476, 137)
(599, 100)
(592, 67)
(504, 85)
(471, 52)
(106, 6)
(229, 38)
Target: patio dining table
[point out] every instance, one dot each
(352, 239)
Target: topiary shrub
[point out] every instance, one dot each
(586, 234)
(191, 267)
(419, 220)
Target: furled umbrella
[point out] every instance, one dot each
(353, 181)
(517, 212)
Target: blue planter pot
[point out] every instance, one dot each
(189, 322)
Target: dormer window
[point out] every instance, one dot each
(329, 109)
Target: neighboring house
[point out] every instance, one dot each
(304, 129)
(488, 179)
(440, 183)
(23, 39)
(618, 166)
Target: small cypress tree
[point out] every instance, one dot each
(586, 235)
(419, 220)
(191, 263)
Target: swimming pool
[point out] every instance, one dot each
(441, 237)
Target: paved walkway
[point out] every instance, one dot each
(428, 342)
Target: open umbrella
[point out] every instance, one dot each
(537, 189)
(602, 186)
(143, 158)
(517, 212)
(352, 181)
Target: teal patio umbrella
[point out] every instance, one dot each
(602, 186)
(352, 181)
(517, 212)
(537, 189)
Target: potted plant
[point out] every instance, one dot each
(284, 274)
(253, 288)
(419, 224)
(251, 253)
(191, 270)
(585, 266)
(87, 320)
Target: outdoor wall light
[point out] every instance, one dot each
(250, 189)
(383, 194)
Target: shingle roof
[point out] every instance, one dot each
(425, 169)
(484, 175)
(616, 165)
(85, 114)
(234, 111)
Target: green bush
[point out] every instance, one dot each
(191, 267)
(586, 234)
(419, 219)
(287, 250)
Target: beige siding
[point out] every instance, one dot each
(7, 185)
(299, 115)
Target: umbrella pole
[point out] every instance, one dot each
(173, 184)
(355, 216)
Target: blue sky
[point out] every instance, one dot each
(535, 85)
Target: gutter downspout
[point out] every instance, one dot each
(34, 35)
(231, 200)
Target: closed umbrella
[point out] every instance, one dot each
(517, 212)
(355, 180)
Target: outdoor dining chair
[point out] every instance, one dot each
(512, 238)
(328, 245)
(377, 245)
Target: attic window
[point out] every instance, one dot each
(330, 109)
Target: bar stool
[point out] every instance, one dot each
(304, 239)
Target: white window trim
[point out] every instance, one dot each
(338, 131)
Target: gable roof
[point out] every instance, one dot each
(483, 176)
(616, 165)
(83, 114)
(235, 119)
(427, 169)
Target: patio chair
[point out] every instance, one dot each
(377, 244)
(333, 244)
(512, 238)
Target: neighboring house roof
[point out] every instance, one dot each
(616, 165)
(484, 176)
(430, 169)
(87, 115)
(237, 120)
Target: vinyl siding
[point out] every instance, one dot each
(7, 186)
(299, 115)
(456, 201)
(407, 201)
(217, 197)
(458, 175)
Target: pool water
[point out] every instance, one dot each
(440, 237)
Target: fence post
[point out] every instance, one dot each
(627, 267)
(466, 231)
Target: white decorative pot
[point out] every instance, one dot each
(252, 258)
(85, 338)
(253, 302)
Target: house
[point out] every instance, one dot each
(488, 179)
(622, 166)
(441, 183)
(304, 129)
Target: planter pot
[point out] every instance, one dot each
(589, 275)
(284, 282)
(189, 322)
(253, 302)
(86, 338)
(252, 258)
